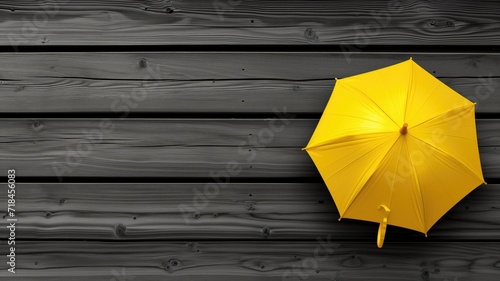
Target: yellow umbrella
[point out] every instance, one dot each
(396, 146)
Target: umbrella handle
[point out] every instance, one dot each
(383, 226)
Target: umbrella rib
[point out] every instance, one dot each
(350, 163)
(361, 92)
(346, 137)
(394, 179)
(421, 205)
(349, 203)
(450, 156)
(444, 113)
(353, 116)
(410, 81)
(425, 101)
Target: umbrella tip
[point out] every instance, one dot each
(404, 129)
(411, 58)
(336, 79)
(340, 218)
(425, 234)
(304, 148)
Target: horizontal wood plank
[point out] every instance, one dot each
(233, 211)
(223, 96)
(175, 148)
(215, 82)
(348, 23)
(187, 66)
(324, 259)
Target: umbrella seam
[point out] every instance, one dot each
(364, 94)
(444, 113)
(410, 82)
(334, 141)
(351, 201)
(422, 205)
(451, 157)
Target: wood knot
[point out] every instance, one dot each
(62, 201)
(48, 214)
(170, 265)
(197, 215)
(174, 262)
(310, 35)
(441, 23)
(143, 63)
(169, 10)
(168, 268)
(250, 205)
(192, 246)
(120, 230)
(425, 275)
(37, 125)
(266, 231)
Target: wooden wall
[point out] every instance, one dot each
(119, 116)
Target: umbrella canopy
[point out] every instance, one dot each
(396, 146)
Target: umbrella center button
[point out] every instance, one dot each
(404, 129)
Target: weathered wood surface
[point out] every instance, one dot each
(190, 260)
(215, 82)
(176, 148)
(234, 211)
(223, 96)
(244, 22)
(186, 66)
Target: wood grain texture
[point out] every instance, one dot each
(357, 23)
(176, 148)
(191, 260)
(185, 66)
(234, 211)
(223, 96)
(215, 82)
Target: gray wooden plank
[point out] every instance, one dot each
(172, 148)
(200, 66)
(215, 82)
(126, 211)
(223, 96)
(356, 23)
(321, 260)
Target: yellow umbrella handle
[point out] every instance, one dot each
(383, 226)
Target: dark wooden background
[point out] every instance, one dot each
(188, 86)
